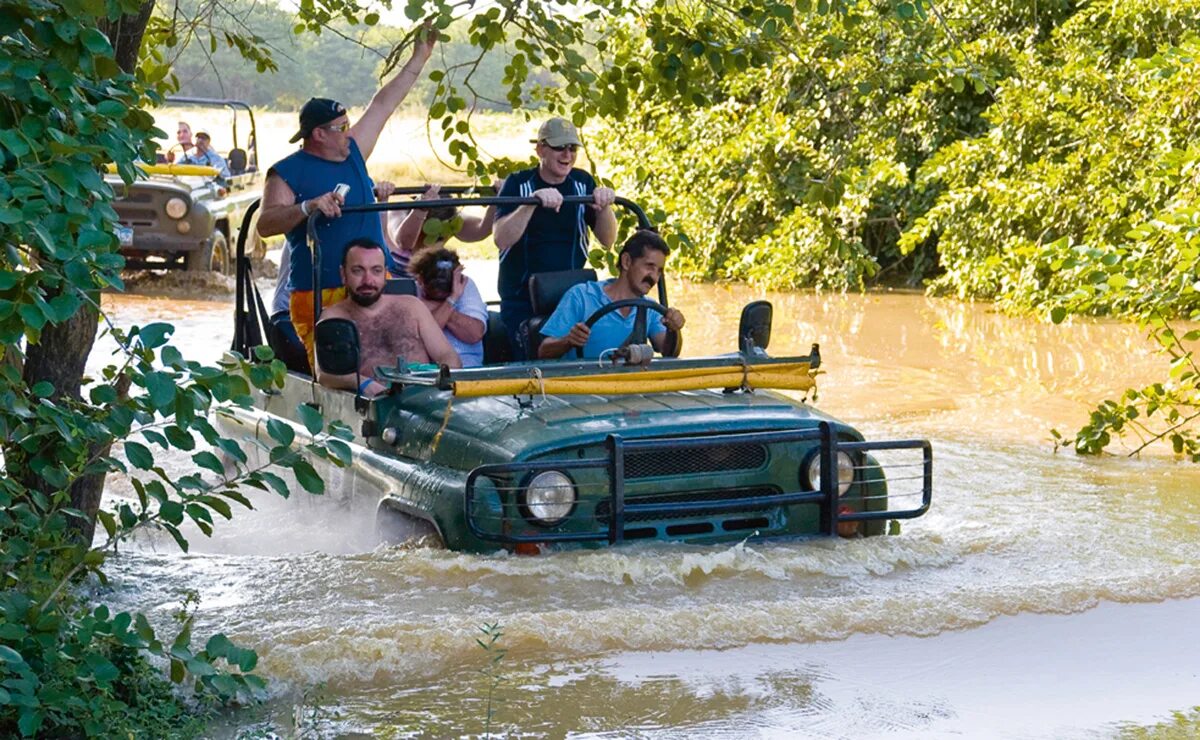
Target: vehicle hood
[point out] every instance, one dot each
(500, 429)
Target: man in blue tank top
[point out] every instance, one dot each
(550, 236)
(333, 152)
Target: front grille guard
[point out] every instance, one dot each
(619, 509)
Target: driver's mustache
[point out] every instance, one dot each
(648, 281)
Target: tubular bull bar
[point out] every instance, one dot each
(619, 509)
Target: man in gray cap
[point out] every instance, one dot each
(547, 237)
(333, 152)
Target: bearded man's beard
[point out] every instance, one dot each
(366, 299)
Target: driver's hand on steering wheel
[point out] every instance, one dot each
(578, 336)
(673, 319)
(549, 198)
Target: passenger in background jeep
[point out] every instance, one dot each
(183, 142)
(205, 155)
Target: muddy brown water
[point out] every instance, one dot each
(1045, 595)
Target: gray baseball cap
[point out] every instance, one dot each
(558, 132)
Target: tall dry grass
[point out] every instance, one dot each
(405, 154)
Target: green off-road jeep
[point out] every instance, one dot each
(186, 216)
(529, 456)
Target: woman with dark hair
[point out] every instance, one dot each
(453, 300)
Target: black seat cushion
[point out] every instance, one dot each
(400, 286)
(546, 289)
(283, 339)
(497, 349)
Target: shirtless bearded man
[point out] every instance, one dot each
(389, 326)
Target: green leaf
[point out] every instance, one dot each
(276, 483)
(10, 656)
(171, 511)
(155, 335)
(161, 389)
(209, 461)
(341, 451)
(281, 432)
(307, 477)
(29, 722)
(108, 521)
(312, 418)
(139, 455)
(95, 42)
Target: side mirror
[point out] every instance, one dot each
(754, 330)
(337, 346)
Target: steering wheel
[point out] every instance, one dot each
(641, 305)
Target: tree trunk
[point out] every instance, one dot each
(59, 359)
(61, 354)
(125, 34)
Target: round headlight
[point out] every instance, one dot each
(845, 472)
(176, 208)
(549, 497)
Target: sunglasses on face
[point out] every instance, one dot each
(565, 148)
(339, 127)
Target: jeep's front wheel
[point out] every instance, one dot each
(213, 256)
(394, 527)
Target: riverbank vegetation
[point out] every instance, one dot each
(1042, 155)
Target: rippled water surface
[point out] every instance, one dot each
(1045, 595)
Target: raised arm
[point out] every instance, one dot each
(367, 128)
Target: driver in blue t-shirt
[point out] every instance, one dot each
(641, 264)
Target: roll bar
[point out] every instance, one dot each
(314, 243)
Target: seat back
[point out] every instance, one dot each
(236, 161)
(497, 349)
(546, 289)
(283, 339)
(400, 286)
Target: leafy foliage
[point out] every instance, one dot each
(53, 644)
(69, 667)
(1040, 154)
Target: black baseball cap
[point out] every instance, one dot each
(317, 112)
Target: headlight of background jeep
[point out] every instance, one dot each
(176, 208)
(548, 497)
(845, 472)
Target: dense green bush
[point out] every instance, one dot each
(1042, 155)
(69, 666)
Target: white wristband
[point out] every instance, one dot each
(304, 208)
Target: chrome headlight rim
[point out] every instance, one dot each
(527, 508)
(810, 471)
(176, 207)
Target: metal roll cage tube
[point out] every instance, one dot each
(314, 244)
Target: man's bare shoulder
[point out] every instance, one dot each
(402, 302)
(338, 310)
